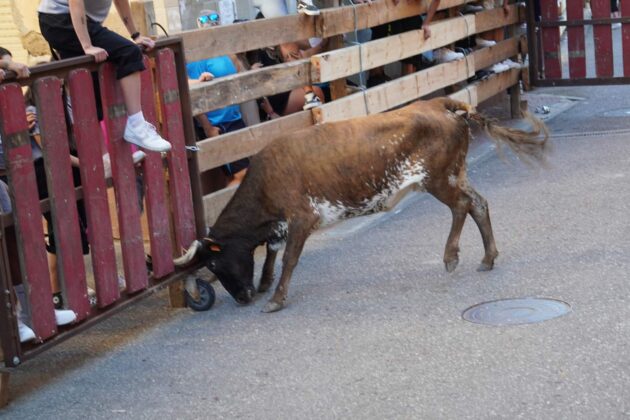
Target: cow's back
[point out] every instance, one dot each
(357, 163)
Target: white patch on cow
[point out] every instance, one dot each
(275, 246)
(281, 230)
(327, 212)
(403, 176)
(279, 234)
(452, 180)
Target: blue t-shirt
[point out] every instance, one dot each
(219, 67)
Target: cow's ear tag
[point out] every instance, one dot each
(214, 246)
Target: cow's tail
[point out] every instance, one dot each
(529, 146)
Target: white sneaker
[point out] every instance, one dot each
(511, 64)
(484, 42)
(138, 156)
(311, 101)
(146, 136)
(444, 55)
(499, 68)
(26, 334)
(64, 316)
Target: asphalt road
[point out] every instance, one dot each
(374, 329)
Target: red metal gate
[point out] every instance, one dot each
(173, 199)
(568, 47)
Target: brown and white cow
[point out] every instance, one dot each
(334, 171)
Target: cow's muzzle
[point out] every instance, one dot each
(245, 296)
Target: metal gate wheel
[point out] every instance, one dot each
(207, 296)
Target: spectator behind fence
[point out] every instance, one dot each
(274, 8)
(410, 64)
(222, 120)
(298, 99)
(62, 316)
(74, 28)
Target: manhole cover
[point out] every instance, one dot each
(516, 311)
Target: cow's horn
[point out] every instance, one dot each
(189, 255)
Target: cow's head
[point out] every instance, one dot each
(231, 261)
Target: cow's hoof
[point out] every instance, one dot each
(451, 265)
(485, 266)
(272, 306)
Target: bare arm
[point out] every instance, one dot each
(7, 63)
(124, 11)
(79, 23)
(430, 14)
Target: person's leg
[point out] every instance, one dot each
(296, 99)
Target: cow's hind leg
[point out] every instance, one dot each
(459, 203)
(481, 215)
(299, 230)
(266, 280)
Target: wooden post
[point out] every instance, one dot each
(338, 87)
(4, 388)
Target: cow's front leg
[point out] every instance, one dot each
(299, 230)
(266, 280)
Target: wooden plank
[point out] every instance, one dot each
(28, 217)
(56, 150)
(215, 203)
(551, 40)
(241, 87)
(155, 188)
(173, 130)
(602, 37)
(496, 84)
(576, 43)
(341, 63)
(338, 88)
(242, 143)
(495, 18)
(624, 8)
(396, 92)
(351, 60)
(488, 56)
(124, 175)
(88, 135)
(477, 92)
(216, 151)
(231, 39)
